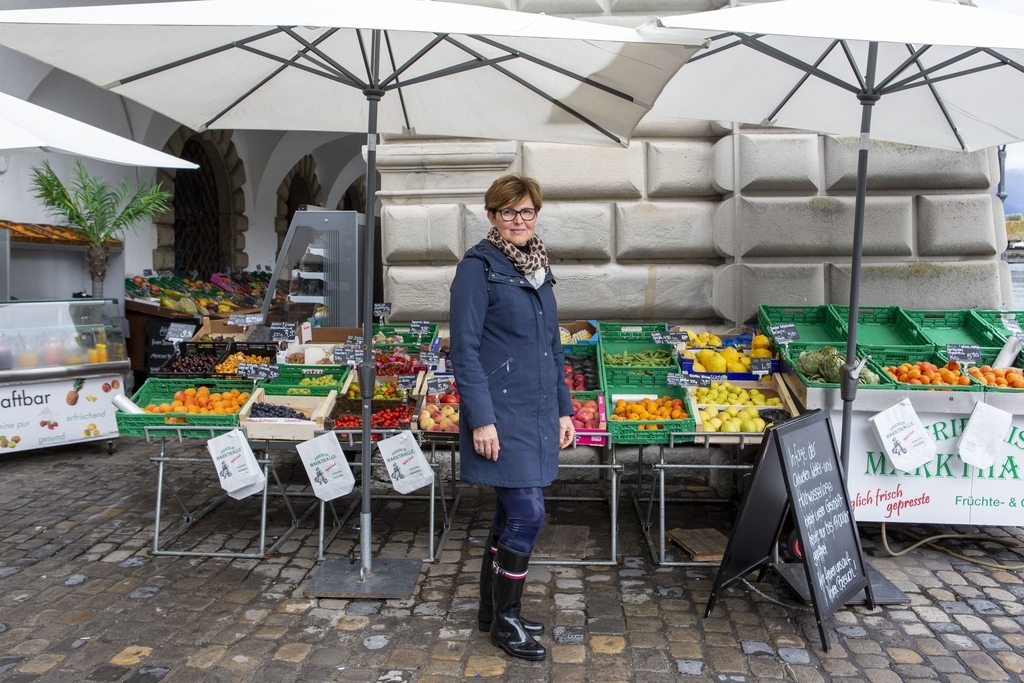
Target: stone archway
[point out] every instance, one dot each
(229, 173)
(299, 186)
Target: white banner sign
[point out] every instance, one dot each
(944, 490)
(62, 411)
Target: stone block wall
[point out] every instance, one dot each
(696, 222)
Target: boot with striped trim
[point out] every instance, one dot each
(507, 632)
(486, 611)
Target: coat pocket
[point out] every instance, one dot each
(501, 374)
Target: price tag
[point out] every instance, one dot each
(673, 337)
(251, 370)
(179, 332)
(382, 310)
(429, 358)
(680, 379)
(348, 355)
(784, 332)
(761, 366)
(147, 273)
(1009, 321)
(312, 371)
(354, 340)
(438, 385)
(406, 382)
(964, 353)
(245, 319)
(658, 337)
(419, 327)
(269, 371)
(283, 331)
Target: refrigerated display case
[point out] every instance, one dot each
(61, 365)
(317, 274)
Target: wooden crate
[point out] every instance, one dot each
(775, 388)
(264, 428)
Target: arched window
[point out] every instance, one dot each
(198, 237)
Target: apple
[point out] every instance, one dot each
(576, 405)
(434, 428)
(577, 424)
(585, 415)
(454, 428)
(592, 405)
(449, 398)
(591, 424)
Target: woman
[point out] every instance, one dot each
(515, 405)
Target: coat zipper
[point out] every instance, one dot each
(503, 365)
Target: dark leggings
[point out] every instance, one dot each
(519, 517)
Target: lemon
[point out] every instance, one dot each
(760, 353)
(698, 367)
(735, 367)
(761, 342)
(716, 363)
(730, 354)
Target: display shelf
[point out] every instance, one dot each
(299, 299)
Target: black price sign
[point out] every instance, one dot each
(245, 319)
(964, 353)
(382, 310)
(658, 337)
(430, 358)
(784, 332)
(147, 273)
(283, 331)
(312, 371)
(673, 337)
(348, 355)
(251, 370)
(438, 385)
(680, 379)
(760, 366)
(269, 371)
(419, 327)
(354, 340)
(179, 332)
(406, 382)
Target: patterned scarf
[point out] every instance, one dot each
(530, 258)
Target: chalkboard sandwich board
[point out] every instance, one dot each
(797, 470)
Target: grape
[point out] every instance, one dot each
(274, 410)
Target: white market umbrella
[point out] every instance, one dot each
(434, 68)
(26, 127)
(918, 72)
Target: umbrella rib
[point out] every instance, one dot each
(770, 51)
(327, 58)
(1003, 58)
(412, 60)
(909, 81)
(366, 62)
(266, 80)
(288, 62)
(852, 62)
(947, 77)
(715, 51)
(915, 58)
(800, 83)
(451, 70)
(192, 58)
(394, 75)
(548, 65)
(938, 101)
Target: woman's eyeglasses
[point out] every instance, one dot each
(509, 215)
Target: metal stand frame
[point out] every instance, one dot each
(193, 516)
(610, 473)
(658, 552)
(437, 490)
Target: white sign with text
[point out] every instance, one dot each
(45, 414)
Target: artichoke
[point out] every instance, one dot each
(832, 367)
(868, 376)
(808, 362)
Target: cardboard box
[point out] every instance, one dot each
(219, 328)
(333, 335)
(273, 429)
(578, 325)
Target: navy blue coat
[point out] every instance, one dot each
(509, 368)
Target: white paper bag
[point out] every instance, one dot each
(326, 466)
(984, 434)
(239, 473)
(902, 436)
(407, 466)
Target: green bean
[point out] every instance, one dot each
(648, 358)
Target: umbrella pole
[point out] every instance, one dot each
(851, 371)
(367, 370)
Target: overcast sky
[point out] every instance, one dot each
(1014, 152)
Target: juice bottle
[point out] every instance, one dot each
(101, 353)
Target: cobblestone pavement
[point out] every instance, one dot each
(81, 598)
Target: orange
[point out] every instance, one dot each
(964, 381)
(151, 408)
(243, 397)
(190, 392)
(235, 392)
(180, 409)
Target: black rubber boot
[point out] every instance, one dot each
(507, 630)
(486, 611)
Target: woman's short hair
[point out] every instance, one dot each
(509, 189)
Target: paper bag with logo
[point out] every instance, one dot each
(239, 473)
(902, 436)
(407, 466)
(983, 437)
(326, 466)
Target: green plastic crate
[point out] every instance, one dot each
(291, 380)
(159, 391)
(954, 327)
(814, 323)
(411, 342)
(628, 432)
(634, 332)
(882, 326)
(897, 356)
(793, 351)
(994, 319)
(988, 356)
(634, 376)
(582, 351)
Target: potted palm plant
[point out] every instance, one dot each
(96, 209)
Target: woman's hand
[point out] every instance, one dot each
(566, 432)
(485, 441)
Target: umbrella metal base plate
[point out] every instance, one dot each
(884, 591)
(390, 578)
